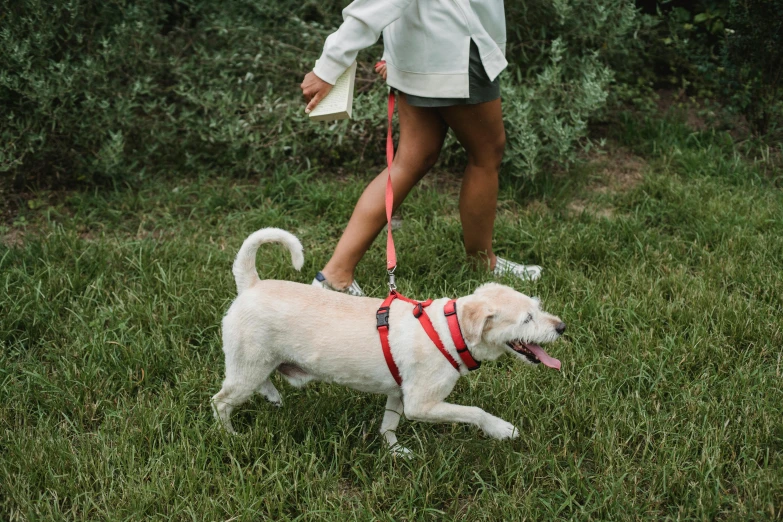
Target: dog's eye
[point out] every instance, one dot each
(528, 318)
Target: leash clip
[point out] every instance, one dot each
(392, 285)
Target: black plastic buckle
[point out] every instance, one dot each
(418, 310)
(452, 312)
(382, 317)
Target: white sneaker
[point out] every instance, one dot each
(524, 272)
(321, 282)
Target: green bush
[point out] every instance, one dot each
(107, 91)
(754, 62)
(76, 79)
(729, 51)
(558, 75)
(113, 91)
(676, 47)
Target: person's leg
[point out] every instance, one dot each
(479, 128)
(421, 137)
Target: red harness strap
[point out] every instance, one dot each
(450, 311)
(424, 320)
(382, 323)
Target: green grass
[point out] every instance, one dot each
(669, 404)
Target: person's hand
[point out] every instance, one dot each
(380, 68)
(314, 90)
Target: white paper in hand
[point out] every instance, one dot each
(338, 103)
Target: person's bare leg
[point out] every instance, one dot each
(421, 137)
(479, 128)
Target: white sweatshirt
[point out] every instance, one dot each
(426, 42)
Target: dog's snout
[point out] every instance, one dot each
(560, 328)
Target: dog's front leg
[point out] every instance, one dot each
(493, 426)
(391, 419)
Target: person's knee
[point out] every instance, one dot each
(491, 154)
(419, 164)
(498, 149)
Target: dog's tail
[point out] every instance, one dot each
(245, 264)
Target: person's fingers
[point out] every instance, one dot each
(310, 86)
(314, 90)
(305, 90)
(312, 103)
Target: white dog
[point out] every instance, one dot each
(309, 333)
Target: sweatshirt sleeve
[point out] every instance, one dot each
(363, 22)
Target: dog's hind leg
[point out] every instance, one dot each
(230, 396)
(268, 390)
(243, 379)
(391, 419)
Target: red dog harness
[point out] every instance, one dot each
(382, 316)
(450, 311)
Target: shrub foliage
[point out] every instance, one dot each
(729, 51)
(754, 61)
(559, 75)
(113, 91)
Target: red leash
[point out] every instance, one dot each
(391, 254)
(382, 316)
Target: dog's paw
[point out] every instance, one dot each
(224, 421)
(500, 429)
(401, 451)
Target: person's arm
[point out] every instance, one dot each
(363, 22)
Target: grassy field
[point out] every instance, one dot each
(664, 256)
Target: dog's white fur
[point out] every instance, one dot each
(308, 333)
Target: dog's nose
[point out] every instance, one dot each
(560, 328)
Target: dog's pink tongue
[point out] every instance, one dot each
(544, 357)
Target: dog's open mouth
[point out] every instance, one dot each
(534, 353)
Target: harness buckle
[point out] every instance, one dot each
(382, 317)
(418, 310)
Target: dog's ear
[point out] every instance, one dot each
(473, 319)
